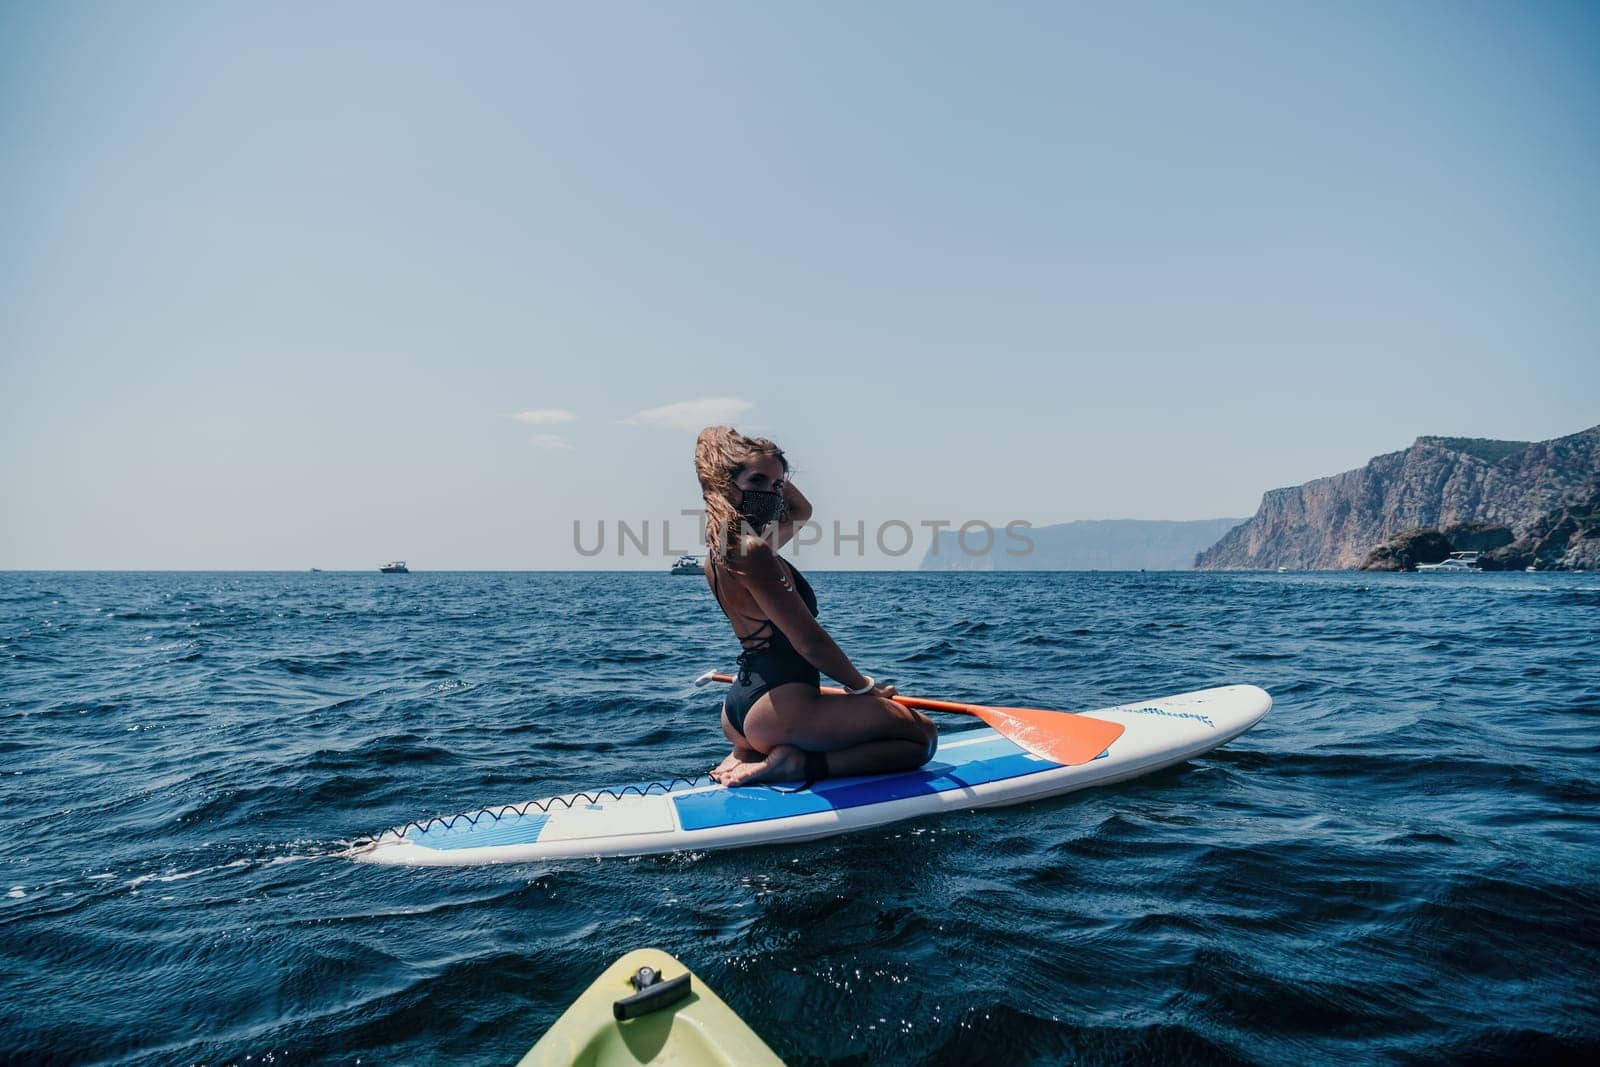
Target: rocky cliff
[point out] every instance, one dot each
(1567, 539)
(1332, 523)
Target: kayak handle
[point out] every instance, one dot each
(653, 994)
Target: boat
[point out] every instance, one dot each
(688, 564)
(970, 769)
(649, 1008)
(1458, 563)
(316, 570)
(396, 567)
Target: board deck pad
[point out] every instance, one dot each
(970, 769)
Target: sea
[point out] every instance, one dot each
(1400, 864)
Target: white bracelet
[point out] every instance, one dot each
(864, 689)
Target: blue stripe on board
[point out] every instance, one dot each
(990, 760)
(510, 829)
(976, 765)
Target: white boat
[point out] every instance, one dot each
(688, 564)
(1458, 563)
(397, 567)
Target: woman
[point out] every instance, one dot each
(783, 728)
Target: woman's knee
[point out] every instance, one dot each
(919, 726)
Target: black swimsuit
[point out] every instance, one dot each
(771, 661)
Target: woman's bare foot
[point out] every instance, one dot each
(736, 757)
(784, 763)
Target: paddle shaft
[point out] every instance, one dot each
(919, 703)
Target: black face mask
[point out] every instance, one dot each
(761, 507)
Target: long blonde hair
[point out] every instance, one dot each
(720, 454)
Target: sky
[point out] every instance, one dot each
(291, 285)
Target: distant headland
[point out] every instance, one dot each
(1521, 503)
(1090, 545)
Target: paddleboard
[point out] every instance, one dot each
(677, 1019)
(970, 769)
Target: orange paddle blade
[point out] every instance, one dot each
(1058, 736)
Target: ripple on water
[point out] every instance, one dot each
(1398, 864)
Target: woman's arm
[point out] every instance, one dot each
(797, 512)
(767, 581)
(822, 653)
(795, 502)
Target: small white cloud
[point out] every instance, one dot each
(545, 417)
(553, 441)
(692, 414)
